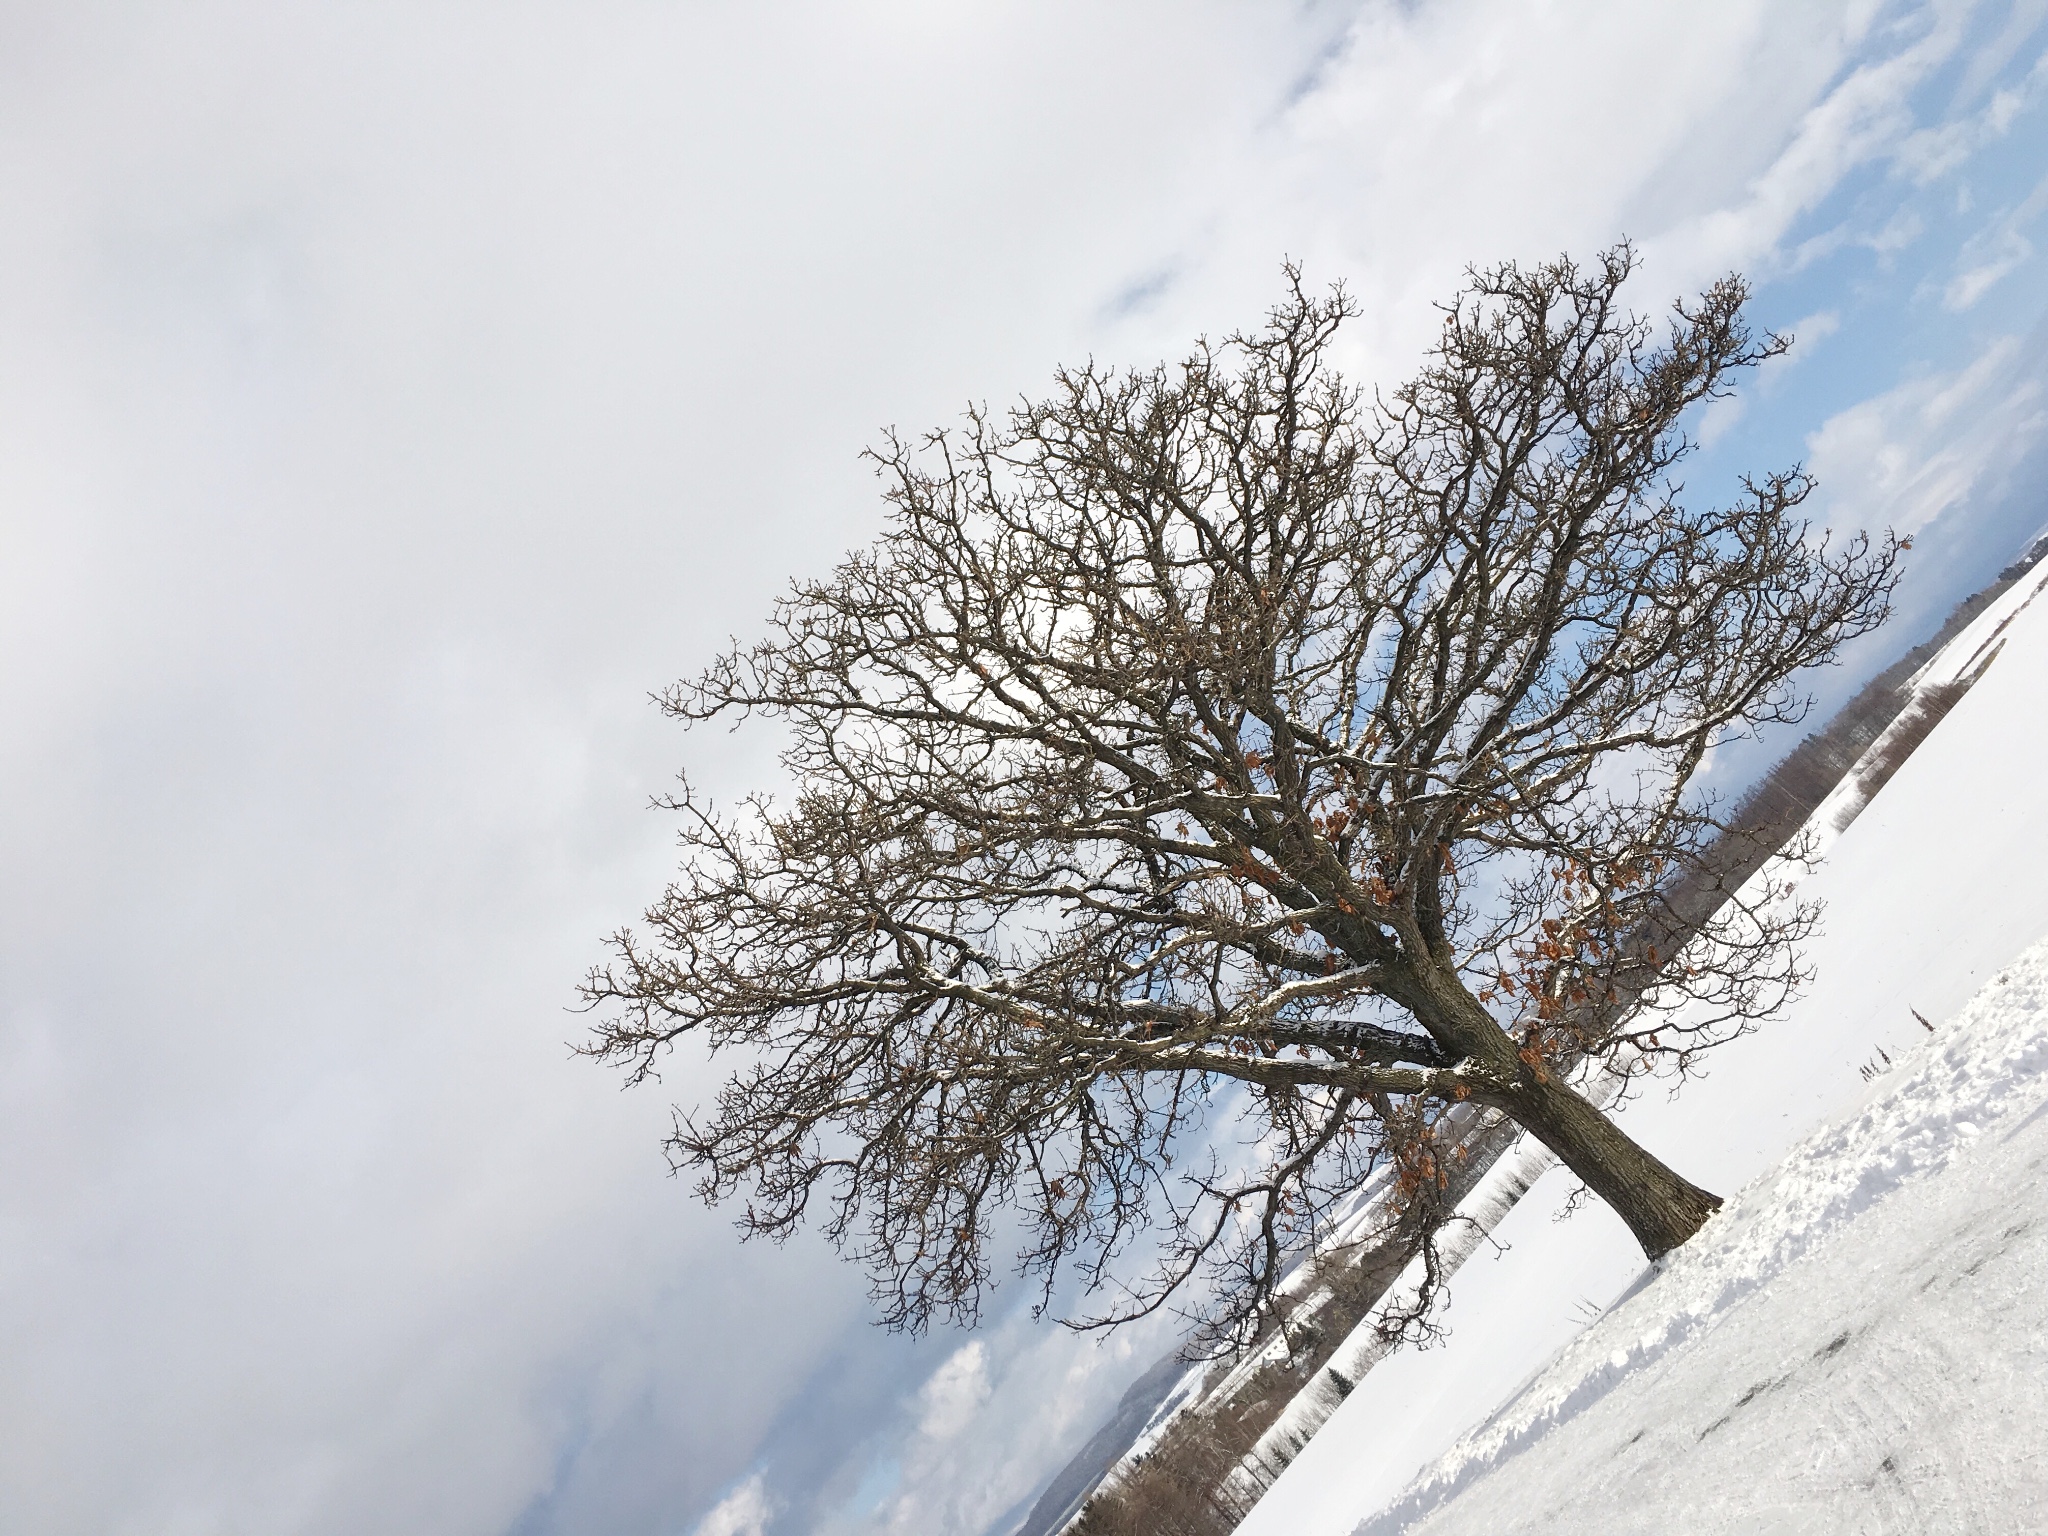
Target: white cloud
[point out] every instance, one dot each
(1722, 417)
(745, 1511)
(1899, 231)
(1855, 121)
(1988, 261)
(1994, 252)
(1927, 154)
(395, 394)
(1476, 131)
(1903, 458)
(955, 1393)
(1046, 1391)
(1808, 332)
(390, 396)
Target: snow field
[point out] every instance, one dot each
(1930, 892)
(1823, 1356)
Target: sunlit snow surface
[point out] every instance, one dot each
(1857, 1343)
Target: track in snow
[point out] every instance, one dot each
(1862, 1347)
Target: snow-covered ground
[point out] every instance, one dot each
(1869, 1228)
(1859, 1343)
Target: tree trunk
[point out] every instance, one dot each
(1662, 1209)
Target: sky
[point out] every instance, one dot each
(392, 396)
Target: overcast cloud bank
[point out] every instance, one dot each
(394, 395)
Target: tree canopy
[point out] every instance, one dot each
(1215, 773)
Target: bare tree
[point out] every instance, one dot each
(1215, 774)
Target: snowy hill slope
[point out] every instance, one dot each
(1827, 782)
(1935, 888)
(1858, 1343)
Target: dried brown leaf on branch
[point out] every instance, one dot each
(1216, 773)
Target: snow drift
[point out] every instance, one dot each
(1827, 1354)
(1797, 1316)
